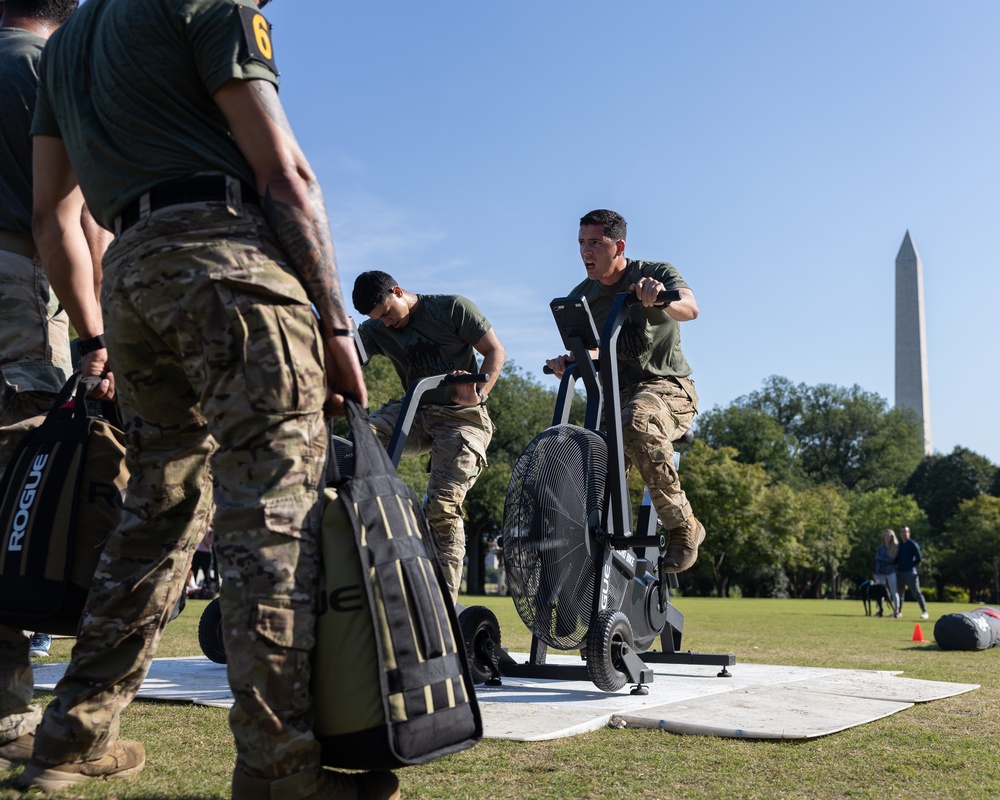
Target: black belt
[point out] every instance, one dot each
(196, 189)
(18, 243)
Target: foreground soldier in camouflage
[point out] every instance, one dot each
(425, 335)
(657, 395)
(34, 328)
(166, 112)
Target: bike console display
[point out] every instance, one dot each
(575, 323)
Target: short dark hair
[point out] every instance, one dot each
(56, 11)
(371, 288)
(613, 223)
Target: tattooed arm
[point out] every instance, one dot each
(293, 205)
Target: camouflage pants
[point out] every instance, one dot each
(219, 370)
(34, 330)
(457, 439)
(655, 414)
(34, 365)
(34, 348)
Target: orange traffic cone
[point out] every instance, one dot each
(918, 635)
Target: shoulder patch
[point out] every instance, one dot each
(257, 36)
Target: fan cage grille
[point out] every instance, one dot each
(556, 494)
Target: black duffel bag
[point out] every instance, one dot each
(60, 498)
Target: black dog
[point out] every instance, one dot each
(874, 591)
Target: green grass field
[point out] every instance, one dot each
(946, 749)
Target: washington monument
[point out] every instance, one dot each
(911, 337)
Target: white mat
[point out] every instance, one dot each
(759, 701)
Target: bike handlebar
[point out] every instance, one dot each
(472, 377)
(665, 297)
(547, 370)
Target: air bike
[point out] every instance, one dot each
(342, 450)
(580, 577)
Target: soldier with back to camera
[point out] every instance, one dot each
(228, 336)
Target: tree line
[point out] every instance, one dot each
(794, 484)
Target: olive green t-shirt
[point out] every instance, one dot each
(19, 54)
(649, 345)
(128, 86)
(439, 338)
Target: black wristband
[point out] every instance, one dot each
(84, 346)
(341, 332)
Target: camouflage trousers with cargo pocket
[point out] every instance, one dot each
(457, 438)
(655, 414)
(34, 365)
(218, 362)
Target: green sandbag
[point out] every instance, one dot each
(347, 700)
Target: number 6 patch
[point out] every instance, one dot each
(257, 34)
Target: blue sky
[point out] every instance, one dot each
(775, 152)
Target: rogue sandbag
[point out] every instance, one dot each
(391, 681)
(60, 499)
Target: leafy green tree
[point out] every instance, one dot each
(780, 549)
(831, 434)
(727, 496)
(940, 483)
(849, 437)
(825, 536)
(758, 438)
(779, 398)
(995, 484)
(971, 547)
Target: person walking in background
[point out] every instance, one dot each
(907, 559)
(204, 562)
(885, 569)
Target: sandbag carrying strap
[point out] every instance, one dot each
(391, 526)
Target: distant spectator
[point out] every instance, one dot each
(203, 561)
(885, 569)
(907, 559)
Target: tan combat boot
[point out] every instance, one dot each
(125, 758)
(682, 545)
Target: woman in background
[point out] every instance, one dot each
(885, 569)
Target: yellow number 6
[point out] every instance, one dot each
(260, 32)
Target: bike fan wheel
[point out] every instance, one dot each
(554, 502)
(609, 639)
(481, 633)
(210, 632)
